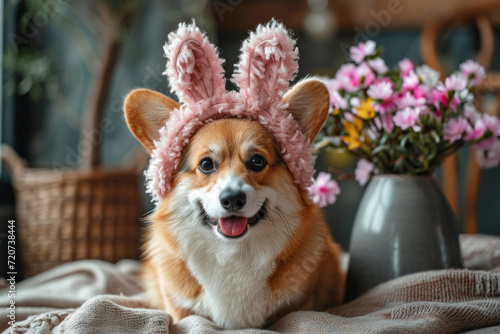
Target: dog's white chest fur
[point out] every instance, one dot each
(235, 290)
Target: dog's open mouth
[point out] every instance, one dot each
(234, 226)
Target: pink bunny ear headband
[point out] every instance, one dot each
(268, 61)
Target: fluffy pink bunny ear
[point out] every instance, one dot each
(193, 67)
(268, 61)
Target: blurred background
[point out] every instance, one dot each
(67, 66)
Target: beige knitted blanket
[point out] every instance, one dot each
(97, 297)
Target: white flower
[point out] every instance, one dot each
(465, 95)
(359, 52)
(337, 101)
(471, 113)
(378, 65)
(473, 71)
(428, 75)
(381, 90)
(455, 82)
(355, 101)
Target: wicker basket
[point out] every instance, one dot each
(68, 215)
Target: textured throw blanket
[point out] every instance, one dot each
(97, 297)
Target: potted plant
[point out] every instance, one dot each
(401, 124)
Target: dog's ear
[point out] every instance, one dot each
(308, 102)
(146, 113)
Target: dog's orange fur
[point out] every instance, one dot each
(310, 263)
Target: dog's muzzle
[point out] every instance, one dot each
(233, 226)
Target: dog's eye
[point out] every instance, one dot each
(207, 165)
(257, 163)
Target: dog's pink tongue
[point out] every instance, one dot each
(233, 226)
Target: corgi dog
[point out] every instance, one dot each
(235, 236)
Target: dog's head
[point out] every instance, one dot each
(230, 159)
(232, 169)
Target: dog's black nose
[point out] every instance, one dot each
(232, 200)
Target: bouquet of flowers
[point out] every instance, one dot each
(402, 121)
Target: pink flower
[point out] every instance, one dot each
(454, 103)
(364, 73)
(406, 66)
(410, 81)
(492, 123)
(350, 77)
(491, 157)
(337, 101)
(476, 132)
(454, 129)
(408, 117)
(473, 72)
(387, 122)
(486, 144)
(324, 190)
(358, 53)
(333, 85)
(455, 82)
(386, 106)
(364, 168)
(409, 100)
(439, 96)
(381, 90)
(421, 91)
(345, 78)
(378, 65)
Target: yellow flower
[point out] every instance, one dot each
(367, 109)
(336, 112)
(353, 130)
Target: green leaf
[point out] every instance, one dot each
(409, 136)
(384, 138)
(397, 149)
(435, 136)
(433, 153)
(380, 148)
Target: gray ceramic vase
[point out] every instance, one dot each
(404, 225)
